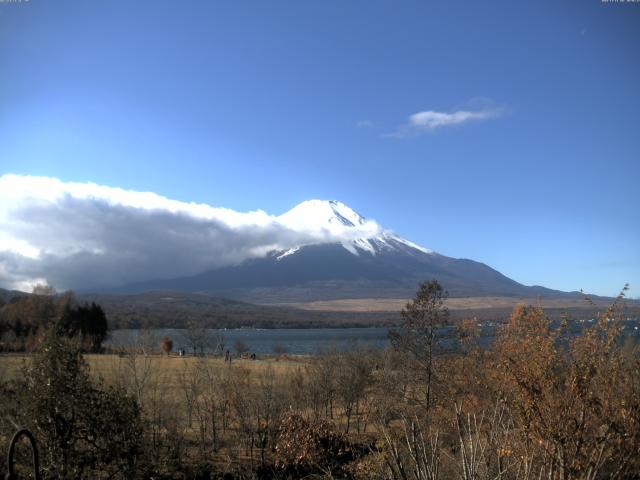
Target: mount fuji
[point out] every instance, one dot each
(347, 257)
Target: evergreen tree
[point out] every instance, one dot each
(83, 428)
(417, 333)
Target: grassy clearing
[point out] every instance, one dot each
(105, 366)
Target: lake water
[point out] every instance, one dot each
(296, 341)
(301, 341)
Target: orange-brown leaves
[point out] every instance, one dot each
(303, 443)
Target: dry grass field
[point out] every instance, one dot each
(107, 366)
(466, 303)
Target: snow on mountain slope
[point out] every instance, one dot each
(333, 220)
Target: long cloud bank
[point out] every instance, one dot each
(89, 236)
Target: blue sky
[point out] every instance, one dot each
(253, 105)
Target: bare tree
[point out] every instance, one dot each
(240, 347)
(146, 342)
(412, 453)
(321, 372)
(217, 401)
(353, 379)
(203, 341)
(190, 382)
(215, 342)
(486, 443)
(268, 404)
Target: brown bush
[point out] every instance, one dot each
(306, 445)
(166, 345)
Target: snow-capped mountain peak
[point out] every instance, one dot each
(336, 222)
(319, 214)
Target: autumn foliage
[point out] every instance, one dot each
(534, 399)
(575, 401)
(166, 345)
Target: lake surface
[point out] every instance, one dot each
(296, 341)
(301, 341)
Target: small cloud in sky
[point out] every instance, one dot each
(429, 120)
(364, 124)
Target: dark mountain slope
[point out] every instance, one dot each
(329, 271)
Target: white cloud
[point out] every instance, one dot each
(430, 120)
(84, 235)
